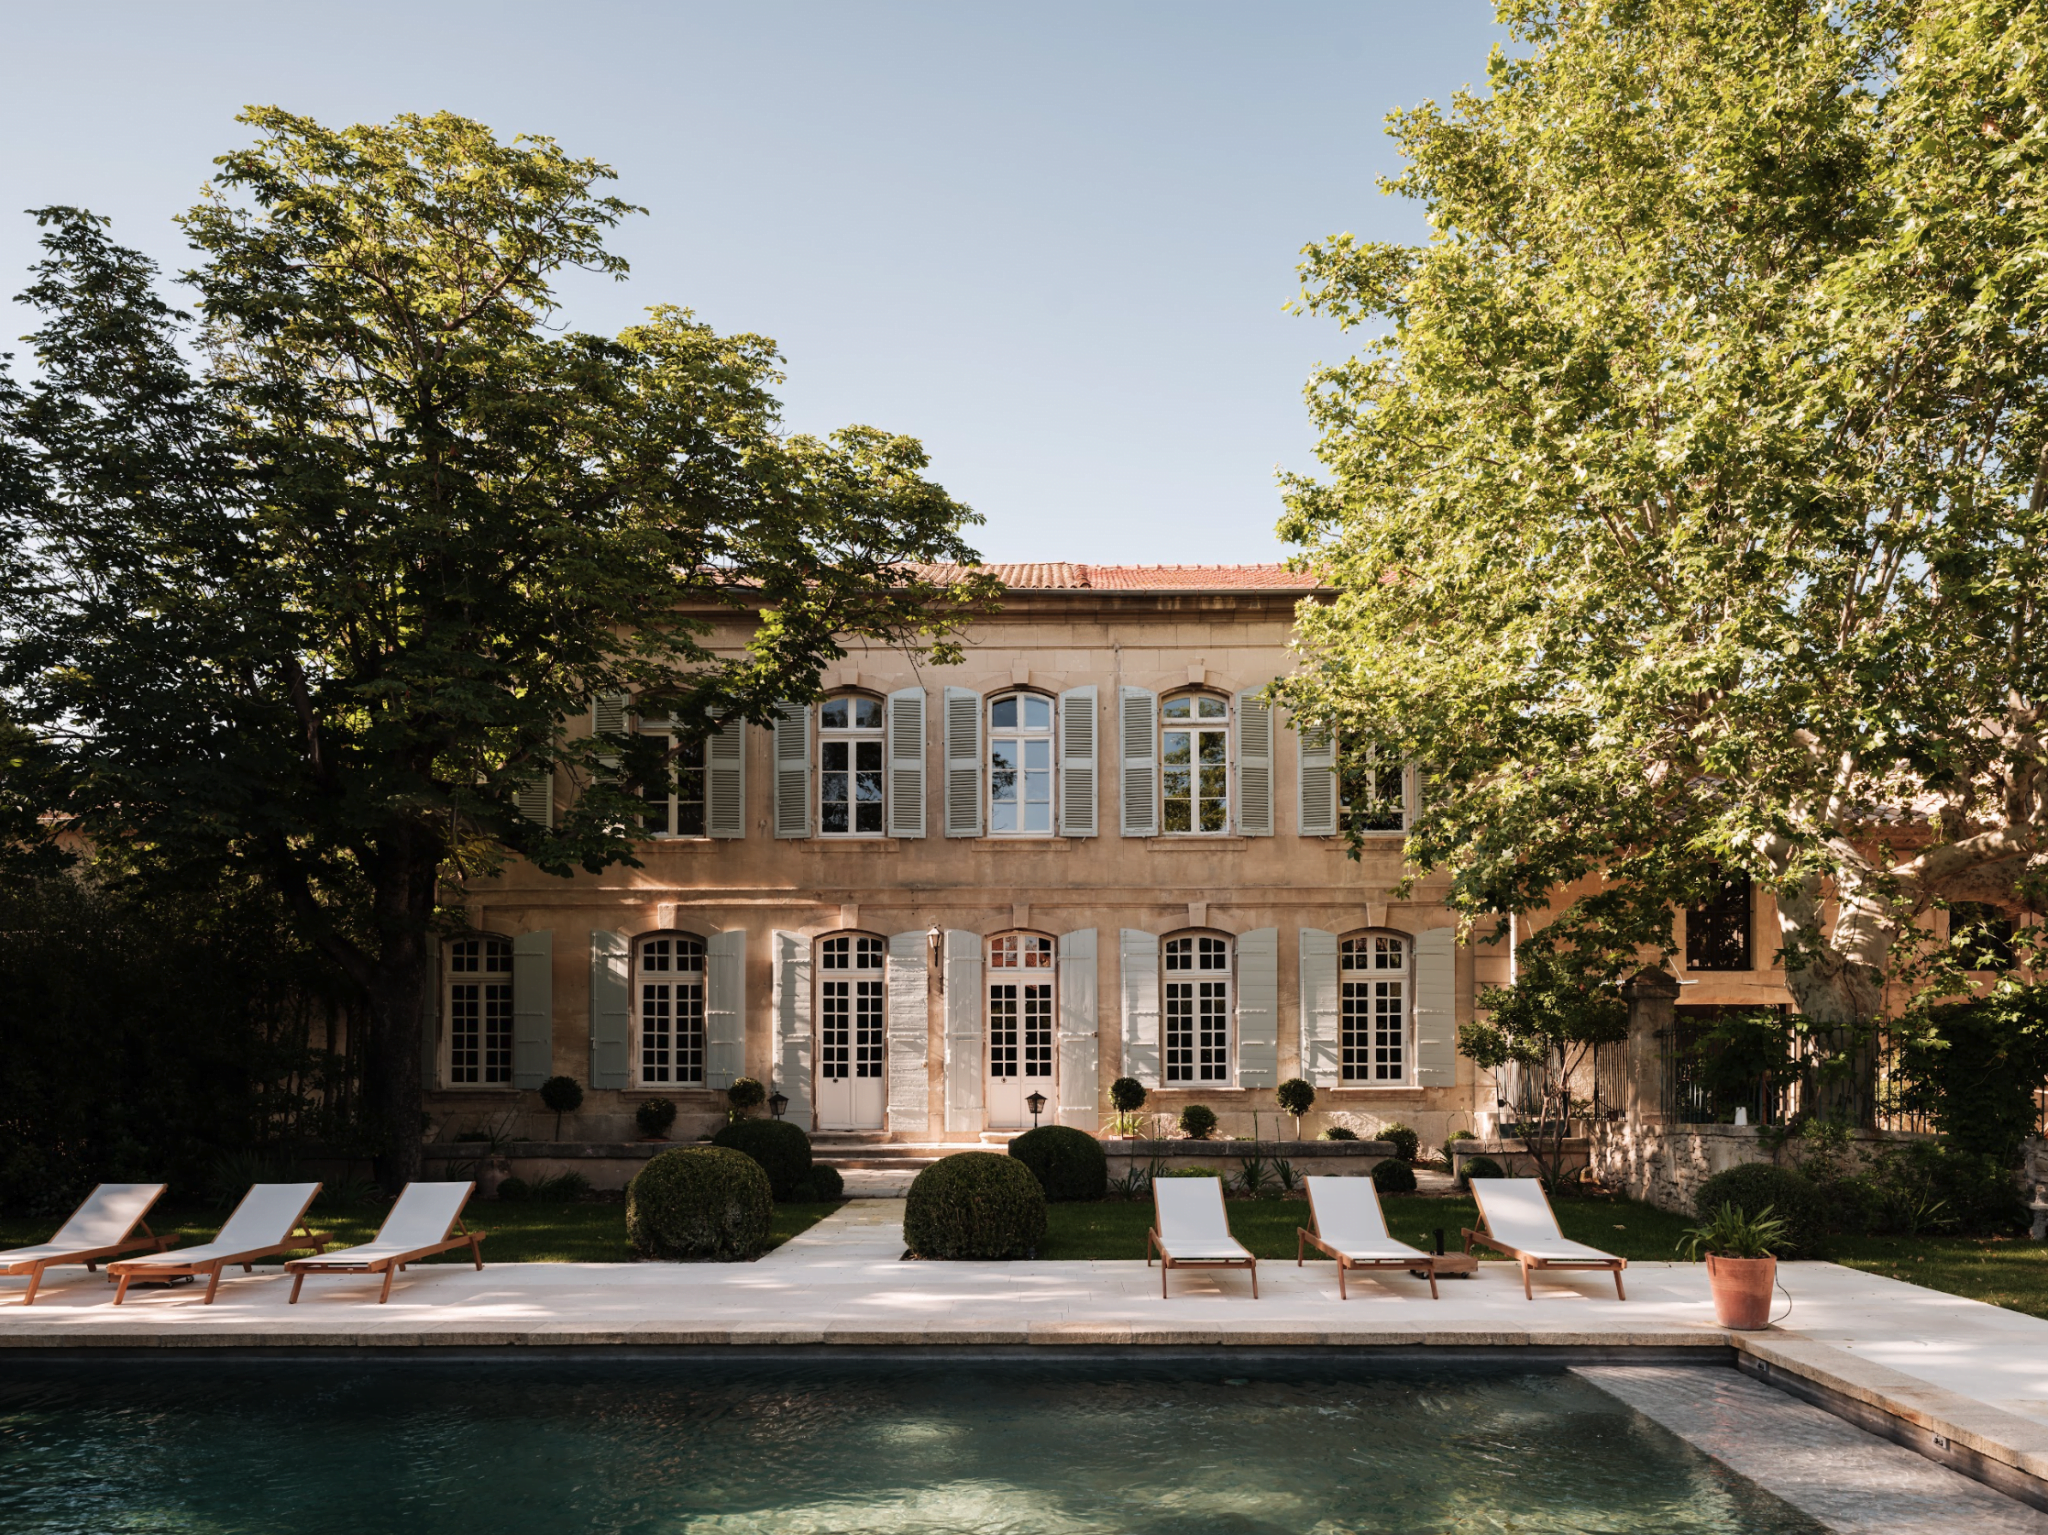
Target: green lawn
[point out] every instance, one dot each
(517, 1232)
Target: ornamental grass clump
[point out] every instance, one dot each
(975, 1204)
(783, 1151)
(700, 1202)
(1069, 1164)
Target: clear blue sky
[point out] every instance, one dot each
(1051, 240)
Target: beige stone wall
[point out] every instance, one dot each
(1230, 884)
(1665, 1165)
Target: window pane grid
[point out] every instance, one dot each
(850, 793)
(671, 1011)
(480, 1013)
(1020, 765)
(1197, 1012)
(1374, 1026)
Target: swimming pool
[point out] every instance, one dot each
(652, 1446)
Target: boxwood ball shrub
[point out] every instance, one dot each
(1340, 1133)
(745, 1095)
(783, 1151)
(1406, 1142)
(1198, 1121)
(1393, 1176)
(700, 1202)
(1792, 1198)
(975, 1204)
(1127, 1095)
(826, 1184)
(655, 1118)
(1479, 1167)
(1068, 1163)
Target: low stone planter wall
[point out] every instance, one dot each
(1322, 1158)
(1513, 1155)
(1665, 1165)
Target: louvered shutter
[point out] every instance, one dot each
(1077, 762)
(1318, 759)
(533, 1009)
(792, 770)
(610, 1011)
(791, 954)
(534, 797)
(725, 1008)
(1322, 1060)
(1080, 1088)
(906, 763)
(963, 1030)
(1258, 1009)
(725, 780)
(1138, 977)
(608, 718)
(909, 990)
(963, 763)
(1254, 766)
(1138, 745)
(1436, 1024)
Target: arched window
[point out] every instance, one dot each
(852, 1029)
(1194, 763)
(850, 793)
(1020, 1026)
(671, 1011)
(480, 1012)
(1020, 759)
(1375, 970)
(1195, 1010)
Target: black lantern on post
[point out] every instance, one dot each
(1035, 1103)
(777, 1102)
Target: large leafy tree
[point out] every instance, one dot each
(305, 589)
(1688, 501)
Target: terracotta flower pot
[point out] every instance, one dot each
(1742, 1291)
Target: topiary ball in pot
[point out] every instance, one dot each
(1479, 1167)
(703, 1202)
(783, 1151)
(1127, 1095)
(1791, 1196)
(1406, 1142)
(745, 1095)
(1068, 1163)
(975, 1205)
(1393, 1177)
(1198, 1121)
(655, 1117)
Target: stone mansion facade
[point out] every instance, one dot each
(1089, 851)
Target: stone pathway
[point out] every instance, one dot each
(862, 1231)
(1849, 1480)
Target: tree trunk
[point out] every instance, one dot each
(401, 990)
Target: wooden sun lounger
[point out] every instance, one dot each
(1190, 1230)
(269, 1220)
(1520, 1223)
(1351, 1227)
(426, 1220)
(100, 1229)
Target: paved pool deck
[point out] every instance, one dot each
(1970, 1379)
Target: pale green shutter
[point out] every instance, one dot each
(725, 780)
(533, 1009)
(906, 762)
(963, 763)
(534, 797)
(1318, 775)
(725, 1008)
(909, 991)
(610, 1010)
(1258, 1009)
(791, 955)
(1254, 766)
(1138, 978)
(1080, 1069)
(963, 1030)
(1138, 748)
(1436, 1023)
(1077, 762)
(1321, 1010)
(792, 770)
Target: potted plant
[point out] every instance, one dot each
(655, 1117)
(1296, 1097)
(564, 1095)
(1127, 1096)
(1742, 1263)
(1198, 1121)
(745, 1095)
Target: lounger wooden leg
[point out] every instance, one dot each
(1619, 1292)
(1255, 1279)
(121, 1293)
(390, 1273)
(213, 1283)
(1341, 1266)
(476, 1251)
(1527, 1293)
(1165, 1263)
(35, 1280)
(298, 1279)
(1432, 1283)
(91, 1266)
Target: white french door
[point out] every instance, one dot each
(1020, 1029)
(852, 1028)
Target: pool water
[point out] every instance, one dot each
(207, 1447)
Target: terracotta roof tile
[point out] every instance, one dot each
(1063, 576)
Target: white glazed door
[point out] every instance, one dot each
(852, 1025)
(1020, 1030)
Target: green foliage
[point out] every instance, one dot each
(1744, 1050)
(745, 1095)
(1922, 1186)
(975, 1204)
(563, 1095)
(1393, 1177)
(1406, 1142)
(307, 593)
(782, 1149)
(700, 1202)
(1732, 1233)
(1295, 1096)
(1067, 1163)
(562, 1188)
(1799, 1205)
(1198, 1121)
(1684, 502)
(1189, 1172)
(656, 1117)
(826, 1185)
(1127, 1095)
(1479, 1167)
(1340, 1133)
(1975, 1066)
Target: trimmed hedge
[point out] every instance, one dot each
(1406, 1143)
(700, 1202)
(975, 1204)
(1479, 1167)
(1393, 1176)
(1198, 1121)
(1791, 1196)
(826, 1184)
(782, 1149)
(1068, 1163)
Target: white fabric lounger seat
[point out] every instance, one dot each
(269, 1220)
(1520, 1223)
(426, 1220)
(101, 1228)
(1190, 1230)
(1352, 1228)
